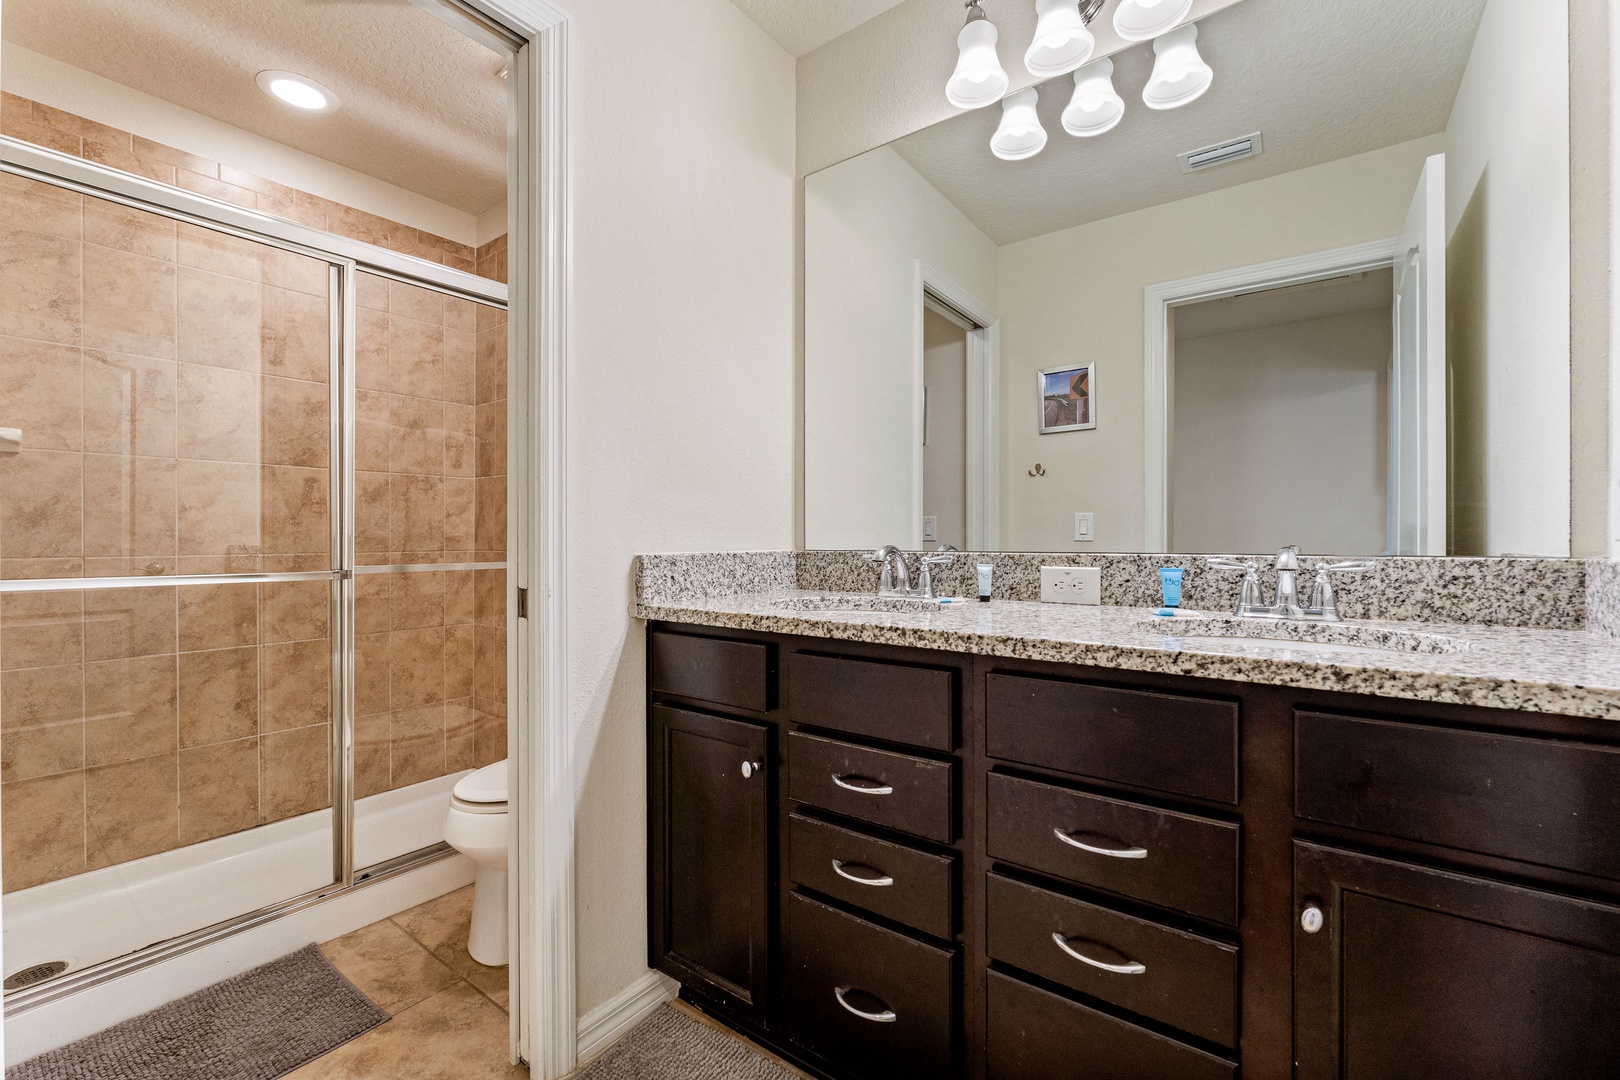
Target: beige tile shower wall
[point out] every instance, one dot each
(69, 134)
(171, 386)
(134, 721)
(431, 488)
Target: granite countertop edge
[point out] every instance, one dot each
(1573, 673)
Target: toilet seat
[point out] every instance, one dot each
(486, 787)
(476, 807)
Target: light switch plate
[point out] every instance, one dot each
(1084, 527)
(1071, 584)
(930, 529)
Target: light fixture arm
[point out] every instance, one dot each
(975, 12)
(1089, 10)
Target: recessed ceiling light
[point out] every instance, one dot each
(297, 91)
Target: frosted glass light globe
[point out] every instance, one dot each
(978, 79)
(1062, 41)
(1095, 107)
(1019, 135)
(1179, 74)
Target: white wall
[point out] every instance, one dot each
(1508, 294)
(62, 86)
(681, 391)
(945, 447)
(1281, 437)
(1076, 296)
(867, 223)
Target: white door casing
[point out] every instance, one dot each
(1417, 385)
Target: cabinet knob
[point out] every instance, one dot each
(749, 768)
(1310, 920)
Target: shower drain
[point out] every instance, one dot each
(36, 974)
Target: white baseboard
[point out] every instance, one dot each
(612, 1020)
(59, 1022)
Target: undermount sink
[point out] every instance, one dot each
(1309, 637)
(855, 602)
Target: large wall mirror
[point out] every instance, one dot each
(1326, 303)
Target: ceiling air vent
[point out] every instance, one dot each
(1222, 152)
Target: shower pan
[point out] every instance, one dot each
(252, 565)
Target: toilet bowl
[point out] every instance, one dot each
(477, 827)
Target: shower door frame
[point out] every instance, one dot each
(347, 259)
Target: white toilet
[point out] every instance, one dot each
(477, 827)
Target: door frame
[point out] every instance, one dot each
(1156, 390)
(983, 411)
(545, 1030)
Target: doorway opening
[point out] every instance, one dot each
(1290, 389)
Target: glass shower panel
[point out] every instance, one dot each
(166, 747)
(430, 538)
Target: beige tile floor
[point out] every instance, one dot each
(450, 1011)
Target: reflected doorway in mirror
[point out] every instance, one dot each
(1067, 398)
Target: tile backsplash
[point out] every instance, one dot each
(1543, 593)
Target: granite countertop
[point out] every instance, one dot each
(1550, 671)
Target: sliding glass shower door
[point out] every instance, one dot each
(252, 571)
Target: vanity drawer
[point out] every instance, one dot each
(733, 673)
(1180, 979)
(1538, 800)
(1176, 860)
(1186, 745)
(839, 966)
(1036, 1035)
(912, 794)
(895, 702)
(892, 880)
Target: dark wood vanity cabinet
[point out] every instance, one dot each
(890, 863)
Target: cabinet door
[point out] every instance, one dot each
(711, 850)
(1417, 974)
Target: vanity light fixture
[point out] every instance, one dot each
(978, 79)
(1019, 135)
(1062, 40)
(297, 91)
(1139, 20)
(1095, 107)
(1179, 74)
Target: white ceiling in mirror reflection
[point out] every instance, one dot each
(422, 107)
(1321, 81)
(801, 26)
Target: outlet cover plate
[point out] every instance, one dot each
(1071, 584)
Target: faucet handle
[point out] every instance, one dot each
(1224, 562)
(941, 557)
(1324, 604)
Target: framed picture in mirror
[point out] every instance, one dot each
(1068, 398)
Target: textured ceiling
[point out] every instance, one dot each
(1321, 80)
(801, 26)
(422, 107)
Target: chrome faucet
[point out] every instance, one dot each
(1322, 607)
(894, 580)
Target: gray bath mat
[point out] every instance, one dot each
(671, 1046)
(258, 1025)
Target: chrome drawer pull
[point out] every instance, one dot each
(1112, 853)
(885, 1017)
(881, 879)
(864, 787)
(1129, 967)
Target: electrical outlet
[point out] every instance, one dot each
(1083, 526)
(930, 529)
(1071, 585)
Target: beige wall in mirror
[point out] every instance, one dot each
(1290, 407)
